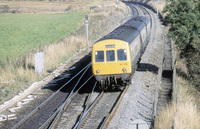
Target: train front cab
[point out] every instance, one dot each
(111, 62)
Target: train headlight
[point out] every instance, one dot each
(124, 69)
(98, 70)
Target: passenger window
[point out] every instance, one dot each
(110, 55)
(121, 55)
(99, 56)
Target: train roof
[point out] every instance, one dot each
(127, 31)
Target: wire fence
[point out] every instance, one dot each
(175, 88)
(159, 76)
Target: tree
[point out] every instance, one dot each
(183, 17)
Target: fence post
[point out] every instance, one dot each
(175, 88)
(39, 62)
(157, 6)
(116, 6)
(86, 27)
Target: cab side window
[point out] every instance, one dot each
(121, 55)
(99, 56)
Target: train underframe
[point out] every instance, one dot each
(112, 82)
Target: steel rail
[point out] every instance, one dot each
(126, 15)
(67, 100)
(150, 16)
(42, 104)
(88, 108)
(56, 115)
(134, 7)
(153, 31)
(87, 105)
(113, 110)
(145, 12)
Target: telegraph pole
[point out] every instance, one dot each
(157, 6)
(86, 27)
(116, 6)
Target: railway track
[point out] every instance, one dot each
(135, 10)
(91, 109)
(49, 109)
(78, 106)
(146, 13)
(131, 12)
(100, 112)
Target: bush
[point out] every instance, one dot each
(68, 8)
(183, 17)
(4, 9)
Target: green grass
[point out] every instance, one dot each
(20, 33)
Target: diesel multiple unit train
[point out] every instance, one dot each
(115, 56)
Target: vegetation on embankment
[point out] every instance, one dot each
(21, 36)
(184, 111)
(52, 32)
(182, 18)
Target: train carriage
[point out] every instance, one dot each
(115, 56)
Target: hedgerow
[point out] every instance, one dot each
(183, 17)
